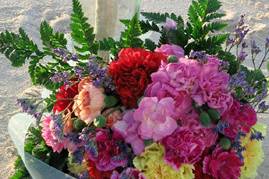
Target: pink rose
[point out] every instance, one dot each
(168, 50)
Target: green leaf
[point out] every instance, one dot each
(17, 47)
(156, 17)
(233, 62)
(150, 45)
(51, 39)
(130, 36)
(147, 26)
(100, 121)
(110, 101)
(82, 32)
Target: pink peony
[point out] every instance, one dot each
(222, 164)
(128, 128)
(214, 86)
(240, 117)
(50, 135)
(183, 147)
(89, 102)
(156, 117)
(168, 49)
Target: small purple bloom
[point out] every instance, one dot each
(60, 77)
(242, 56)
(263, 106)
(254, 48)
(170, 24)
(201, 56)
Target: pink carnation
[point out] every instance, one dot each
(240, 117)
(128, 128)
(168, 49)
(183, 146)
(222, 164)
(156, 117)
(50, 137)
(175, 77)
(214, 86)
(191, 121)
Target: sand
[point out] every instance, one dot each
(29, 13)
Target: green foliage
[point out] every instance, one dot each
(149, 26)
(150, 45)
(158, 17)
(234, 64)
(197, 33)
(200, 14)
(82, 32)
(20, 170)
(17, 47)
(130, 36)
(51, 39)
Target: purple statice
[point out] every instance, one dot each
(78, 155)
(263, 106)
(263, 93)
(256, 135)
(100, 76)
(201, 56)
(241, 30)
(237, 145)
(229, 41)
(224, 65)
(267, 43)
(28, 107)
(220, 127)
(65, 55)
(78, 71)
(242, 56)
(239, 80)
(58, 126)
(60, 77)
(255, 50)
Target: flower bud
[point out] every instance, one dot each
(172, 59)
(205, 119)
(225, 143)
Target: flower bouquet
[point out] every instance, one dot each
(183, 107)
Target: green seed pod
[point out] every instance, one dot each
(214, 114)
(225, 143)
(100, 121)
(172, 59)
(205, 119)
(78, 124)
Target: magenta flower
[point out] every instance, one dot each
(240, 117)
(128, 173)
(128, 128)
(222, 164)
(191, 121)
(168, 50)
(183, 147)
(213, 85)
(175, 77)
(156, 118)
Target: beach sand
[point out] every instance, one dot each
(29, 13)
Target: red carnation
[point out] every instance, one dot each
(131, 73)
(64, 97)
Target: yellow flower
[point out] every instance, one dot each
(253, 155)
(152, 164)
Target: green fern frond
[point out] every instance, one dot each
(17, 47)
(158, 17)
(130, 36)
(149, 26)
(51, 39)
(82, 32)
